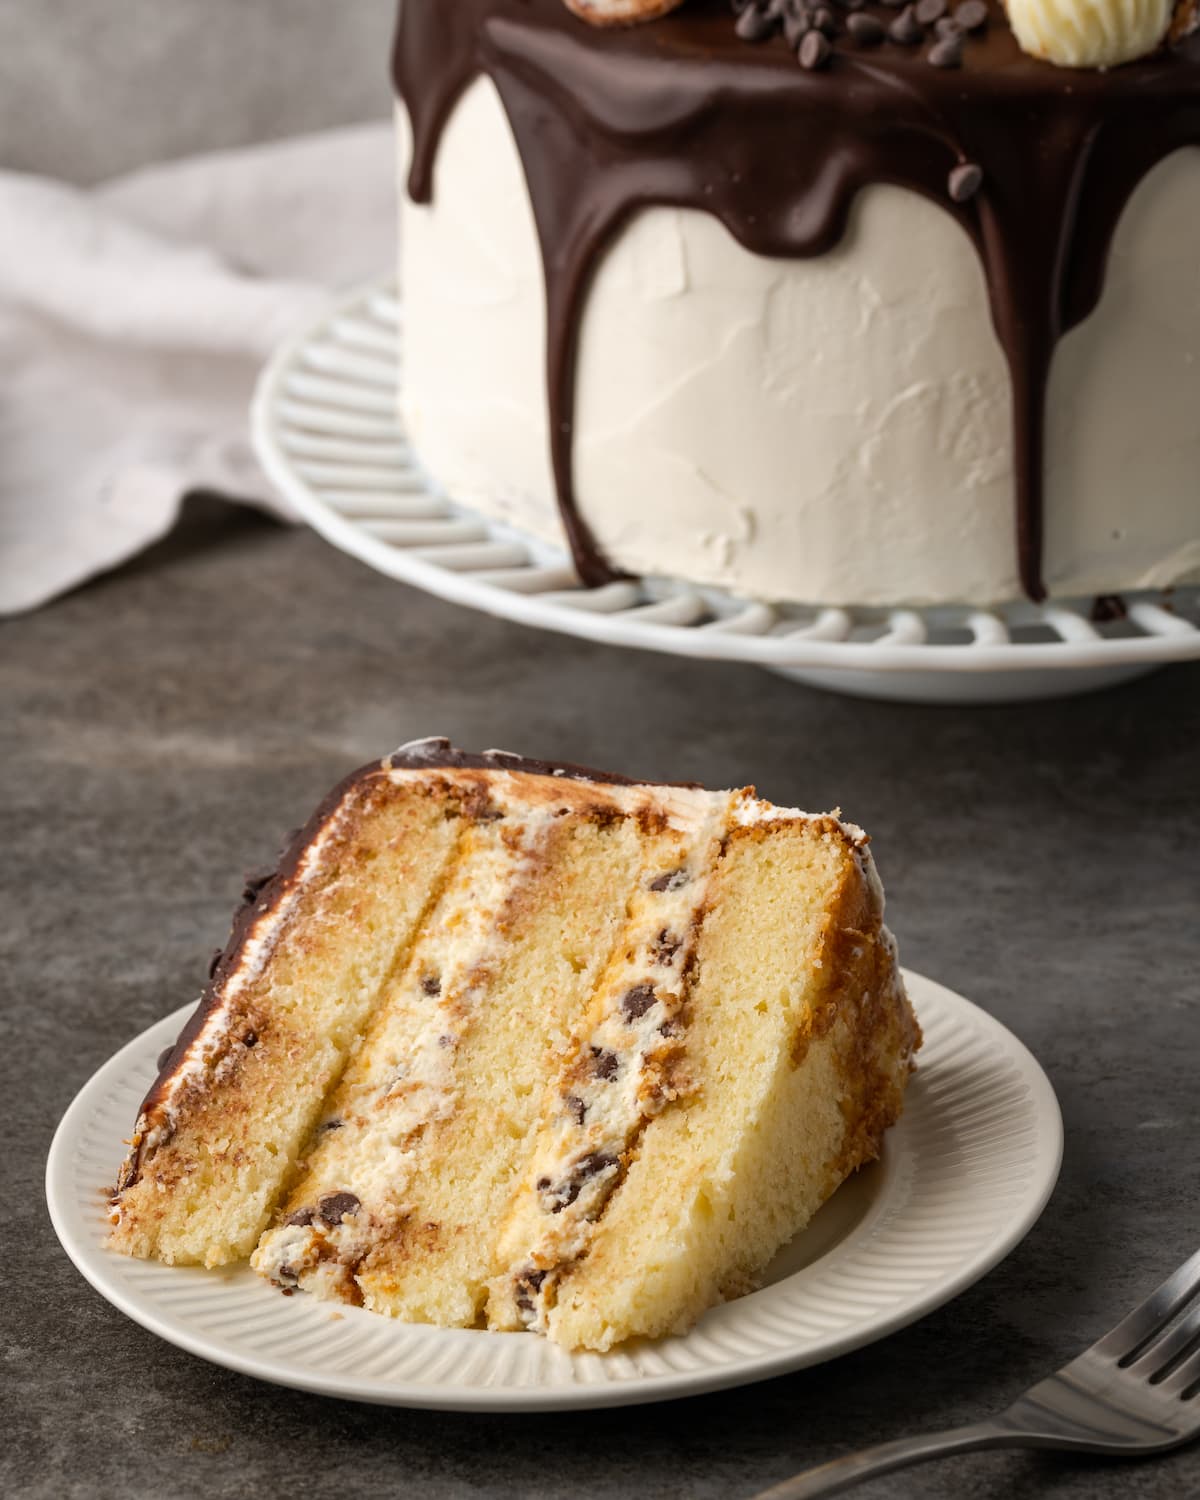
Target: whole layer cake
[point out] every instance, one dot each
(515, 1045)
(839, 304)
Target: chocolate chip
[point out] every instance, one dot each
(330, 1125)
(638, 1001)
(754, 24)
(947, 26)
(301, 1216)
(815, 52)
(593, 1164)
(796, 26)
(964, 181)
(431, 985)
(527, 1286)
(674, 879)
(972, 15)
(160, 1061)
(825, 21)
(906, 29)
(947, 53)
(566, 1197)
(866, 30)
(929, 11)
(250, 1039)
(1107, 609)
(218, 955)
(665, 946)
(333, 1207)
(557, 1198)
(576, 1108)
(604, 1063)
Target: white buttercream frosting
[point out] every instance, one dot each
(834, 430)
(621, 12)
(1089, 33)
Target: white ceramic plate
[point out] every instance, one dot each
(963, 1177)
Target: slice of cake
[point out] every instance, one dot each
(516, 1045)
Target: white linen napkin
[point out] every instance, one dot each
(134, 318)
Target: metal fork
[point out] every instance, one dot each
(1134, 1393)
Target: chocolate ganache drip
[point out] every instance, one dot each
(683, 113)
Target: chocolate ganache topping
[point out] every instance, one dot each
(684, 112)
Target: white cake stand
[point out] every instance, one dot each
(327, 429)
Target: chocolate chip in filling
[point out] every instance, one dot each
(638, 1001)
(604, 1063)
(557, 1196)
(528, 1284)
(334, 1207)
(665, 946)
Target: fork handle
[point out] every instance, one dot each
(833, 1478)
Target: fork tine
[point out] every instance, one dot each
(1149, 1316)
(1157, 1356)
(1188, 1374)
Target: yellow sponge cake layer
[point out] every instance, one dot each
(529, 1047)
(798, 1043)
(220, 1135)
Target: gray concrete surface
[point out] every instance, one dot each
(88, 89)
(162, 728)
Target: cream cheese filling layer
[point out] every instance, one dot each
(626, 1062)
(405, 1077)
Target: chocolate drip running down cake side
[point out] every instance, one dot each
(515, 1045)
(855, 303)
